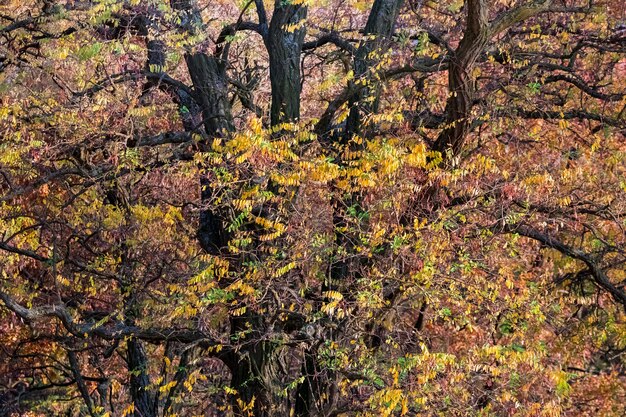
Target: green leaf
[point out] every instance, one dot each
(87, 52)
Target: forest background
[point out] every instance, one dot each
(312, 208)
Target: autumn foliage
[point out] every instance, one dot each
(312, 208)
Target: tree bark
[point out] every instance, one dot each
(461, 82)
(136, 358)
(257, 372)
(139, 380)
(314, 396)
(208, 75)
(284, 46)
(157, 51)
(378, 29)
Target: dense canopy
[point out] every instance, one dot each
(312, 208)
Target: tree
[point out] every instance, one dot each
(275, 208)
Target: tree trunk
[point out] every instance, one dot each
(461, 83)
(284, 46)
(380, 24)
(316, 395)
(257, 372)
(145, 405)
(256, 369)
(208, 75)
(136, 358)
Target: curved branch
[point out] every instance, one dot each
(262, 14)
(461, 82)
(115, 332)
(599, 276)
(593, 92)
(161, 139)
(327, 38)
(518, 14)
(24, 252)
(425, 65)
(133, 76)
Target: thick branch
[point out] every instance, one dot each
(461, 82)
(378, 29)
(425, 65)
(80, 381)
(230, 30)
(161, 78)
(24, 252)
(600, 277)
(581, 85)
(262, 14)
(331, 37)
(518, 14)
(18, 24)
(115, 332)
(560, 115)
(477, 17)
(161, 139)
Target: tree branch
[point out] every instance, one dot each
(134, 76)
(562, 115)
(161, 139)
(518, 14)
(600, 277)
(80, 382)
(425, 65)
(581, 85)
(262, 14)
(24, 252)
(331, 37)
(461, 82)
(115, 332)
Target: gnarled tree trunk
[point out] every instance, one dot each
(257, 376)
(461, 83)
(378, 29)
(208, 74)
(284, 46)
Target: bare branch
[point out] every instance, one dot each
(133, 76)
(562, 115)
(600, 277)
(518, 14)
(114, 332)
(581, 85)
(331, 37)
(161, 139)
(24, 252)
